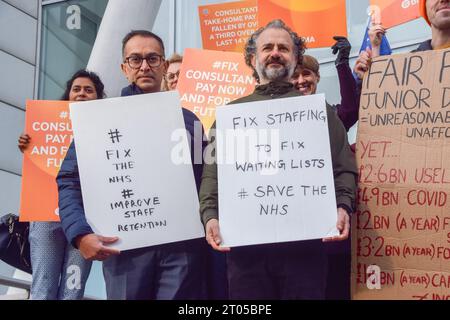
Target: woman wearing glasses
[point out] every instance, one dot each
(59, 271)
(170, 80)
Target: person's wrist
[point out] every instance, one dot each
(79, 238)
(347, 209)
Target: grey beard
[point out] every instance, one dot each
(271, 74)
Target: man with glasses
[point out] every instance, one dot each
(164, 272)
(144, 65)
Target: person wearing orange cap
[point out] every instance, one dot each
(423, 11)
(435, 12)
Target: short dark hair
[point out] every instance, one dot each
(142, 33)
(83, 73)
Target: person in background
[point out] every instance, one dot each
(435, 12)
(59, 270)
(170, 80)
(307, 77)
(216, 270)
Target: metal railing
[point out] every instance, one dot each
(24, 285)
(15, 283)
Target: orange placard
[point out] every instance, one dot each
(48, 124)
(227, 26)
(395, 12)
(316, 21)
(212, 78)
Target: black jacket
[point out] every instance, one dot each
(424, 46)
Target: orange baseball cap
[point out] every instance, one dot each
(423, 11)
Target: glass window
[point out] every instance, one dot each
(69, 29)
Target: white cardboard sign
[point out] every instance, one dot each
(275, 172)
(132, 188)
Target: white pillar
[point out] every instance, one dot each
(121, 16)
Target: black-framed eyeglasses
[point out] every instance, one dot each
(153, 60)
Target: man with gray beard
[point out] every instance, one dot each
(295, 270)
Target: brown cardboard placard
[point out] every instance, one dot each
(401, 231)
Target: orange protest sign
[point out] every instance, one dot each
(316, 21)
(50, 129)
(395, 12)
(212, 78)
(227, 26)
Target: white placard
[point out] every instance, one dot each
(131, 186)
(275, 172)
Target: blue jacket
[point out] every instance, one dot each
(71, 211)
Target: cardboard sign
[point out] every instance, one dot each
(316, 21)
(135, 169)
(209, 79)
(48, 125)
(227, 26)
(395, 12)
(275, 172)
(401, 232)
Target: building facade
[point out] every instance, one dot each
(43, 42)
